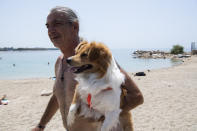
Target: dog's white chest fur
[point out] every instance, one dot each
(103, 102)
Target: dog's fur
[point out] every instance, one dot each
(99, 78)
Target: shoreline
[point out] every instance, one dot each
(169, 101)
(177, 63)
(183, 61)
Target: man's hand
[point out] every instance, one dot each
(132, 95)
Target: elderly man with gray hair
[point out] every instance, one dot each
(63, 27)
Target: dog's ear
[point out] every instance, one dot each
(98, 50)
(94, 52)
(80, 46)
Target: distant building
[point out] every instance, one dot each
(194, 48)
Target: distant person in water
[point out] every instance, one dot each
(63, 28)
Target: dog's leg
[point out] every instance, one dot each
(111, 120)
(73, 109)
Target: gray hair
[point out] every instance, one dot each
(70, 14)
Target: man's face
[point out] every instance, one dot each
(59, 29)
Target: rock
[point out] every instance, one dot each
(151, 54)
(140, 74)
(183, 56)
(46, 93)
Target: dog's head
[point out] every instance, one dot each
(90, 58)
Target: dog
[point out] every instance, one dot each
(98, 94)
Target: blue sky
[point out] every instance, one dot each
(119, 24)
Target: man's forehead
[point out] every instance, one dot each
(56, 16)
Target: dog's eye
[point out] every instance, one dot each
(84, 55)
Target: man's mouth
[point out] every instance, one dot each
(55, 37)
(81, 68)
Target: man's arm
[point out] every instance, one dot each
(50, 111)
(48, 114)
(51, 107)
(133, 96)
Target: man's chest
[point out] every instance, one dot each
(64, 87)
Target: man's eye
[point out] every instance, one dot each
(84, 55)
(47, 26)
(58, 24)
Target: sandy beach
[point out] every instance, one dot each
(170, 101)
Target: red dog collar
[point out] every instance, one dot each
(90, 96)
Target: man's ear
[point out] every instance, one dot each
(75, 27)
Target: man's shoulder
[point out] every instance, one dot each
(59, 58)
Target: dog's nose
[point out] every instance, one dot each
(68, 60)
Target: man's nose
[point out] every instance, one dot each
(68, 60)
(51, 29)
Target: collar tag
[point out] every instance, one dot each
(89, 100)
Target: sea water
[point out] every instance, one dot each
(39, 64)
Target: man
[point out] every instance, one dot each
(63, 27)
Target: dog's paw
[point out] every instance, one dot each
(71, 115)
(70, 118)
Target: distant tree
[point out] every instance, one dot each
(177, 49)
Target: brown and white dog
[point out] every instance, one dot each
(98, 92)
